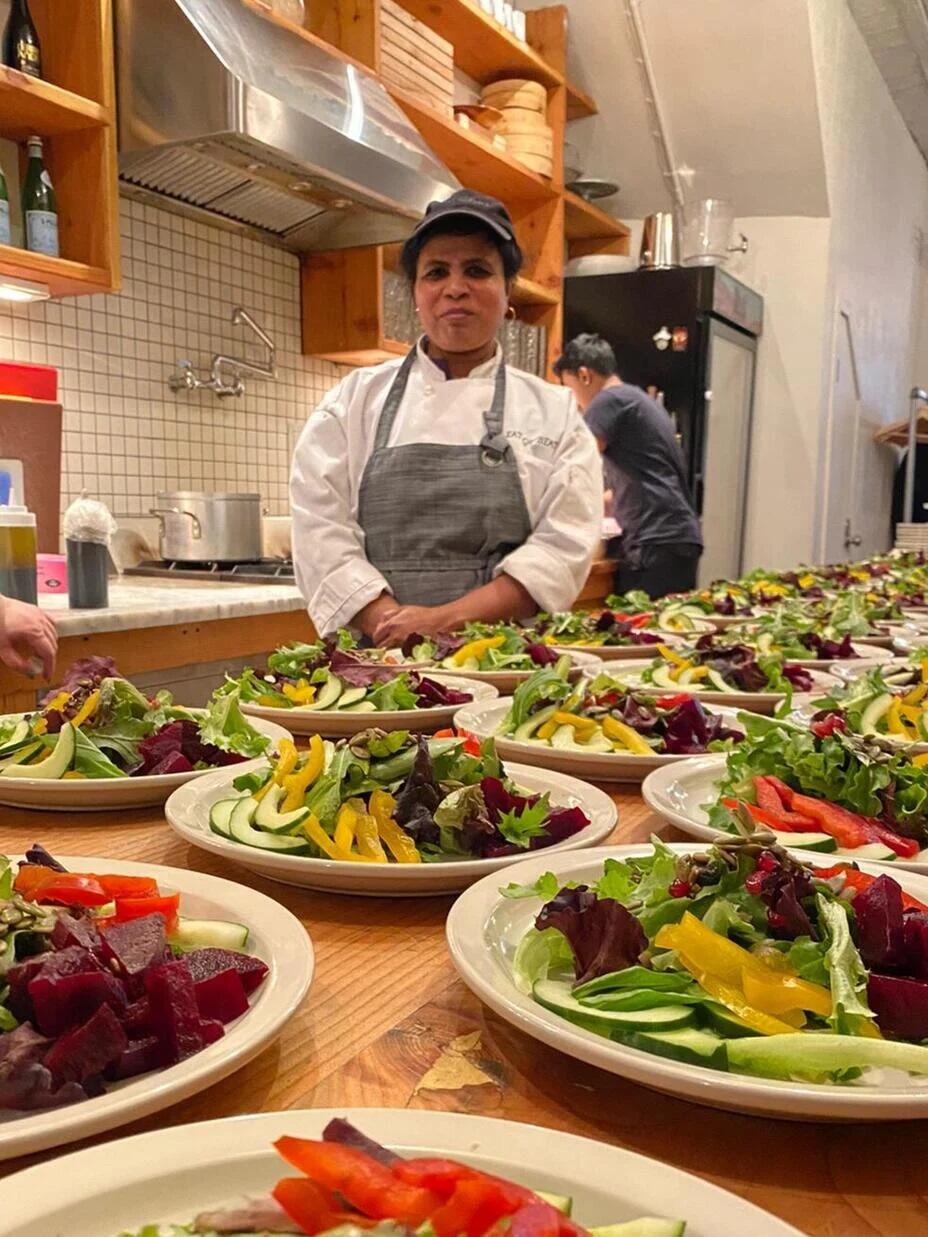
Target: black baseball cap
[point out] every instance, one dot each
(468, 204)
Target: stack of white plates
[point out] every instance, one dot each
(912, 536)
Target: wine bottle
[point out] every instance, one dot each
(21, 47)
(4, 211)
(40, 210)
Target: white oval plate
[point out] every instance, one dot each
(187, 811)
(276, 936)
(678, 794)
(869, 653)
(168, 1176)
(506, 681)
(618, 652)
(106, 794)
(483, 721)
(805, 710)
(484, 928)
(333, 724)
(753, 702)
(848, 671)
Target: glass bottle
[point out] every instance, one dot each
(40, 210)
(4, 211)
(21, 47)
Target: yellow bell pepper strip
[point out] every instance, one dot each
(297, 783)
(708, 950)
(346, 824)
(807, 580)
(923, 665)
(781, 993)
(58, 702)
(400, 845)
(300, 693)
(270, 702)
(916, 695)
(368, 840)
(698, 672)
(678, 670)
(672, 656)
(630, 739)
(921, 760)
(87, 709)
(318, 836)
(72, 775)
(546, 729)
(287, 757)
(477, 648)
(894, 720)
(585, 725)
(39, 726)
(735, 1000)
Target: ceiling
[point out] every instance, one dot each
(896, 31)
(719, 68)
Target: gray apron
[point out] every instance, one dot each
(438, 519)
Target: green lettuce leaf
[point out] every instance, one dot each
(394, 695)
(538, 954)
(545, 887)
(549, 683)
(90, 760)
(847, 974)
(518, 828)
(226, 727)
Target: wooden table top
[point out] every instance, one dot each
(388, 1024)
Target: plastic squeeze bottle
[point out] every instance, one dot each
(17, 550)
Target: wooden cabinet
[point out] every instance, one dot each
(73, 111)
(342, 291)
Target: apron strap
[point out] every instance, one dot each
(494, 446)
(393, 400)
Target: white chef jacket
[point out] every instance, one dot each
(557, 458)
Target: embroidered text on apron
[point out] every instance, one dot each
(437, 519)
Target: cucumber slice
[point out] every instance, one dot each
(556, 995)
(807, 841)
(220, 814)
(560, 1202)
(24, 753)
(727, 1024)
(363, 706)
(718, 682)
(563, 738)
(661, 677)
(331, 690)
(53, 766)
(209, 934)
(268, 816)
(685, 677)
(351, 695)
(527, 730)
(765, 642)
(18, 735)
(242, 830)
(818, 1056)
(874, 713)
(692, 1045)
(645, 1226)
(874, 850)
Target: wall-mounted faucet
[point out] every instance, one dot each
(225, 375)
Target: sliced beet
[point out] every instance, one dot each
(221, 996)
(74, 960)
(880, 930)
(203, 963)
(136, 945)
(211, 1029)
(62, 1002)
(85, 1052)
(139, 1057)
(175, 1018)
(900, 1005)
(69, 931)
(136, 1018)
(174, 762)
(915, 935)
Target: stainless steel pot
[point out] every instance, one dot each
(197, 527)
(659, 247)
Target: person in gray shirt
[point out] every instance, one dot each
(661, 540)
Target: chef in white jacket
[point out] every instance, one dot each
(446, 486)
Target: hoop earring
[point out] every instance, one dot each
(511, 312)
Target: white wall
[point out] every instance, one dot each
(878, 189)
(786, 263)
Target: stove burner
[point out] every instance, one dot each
(263, 571)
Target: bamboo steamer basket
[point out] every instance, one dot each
(541, 164)
(538, 147)
(516, 92)
(521, 120)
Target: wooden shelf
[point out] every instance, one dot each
(528, 292)
(29, 106)
(473, 159)
(387, 351)
(579, 103)
(585, 221)
(63, 278)
(482, 48)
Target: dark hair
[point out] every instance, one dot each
(509, 251)
(589, 352)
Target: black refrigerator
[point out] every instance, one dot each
(690, 334)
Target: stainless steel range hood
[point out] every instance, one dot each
(227, 111)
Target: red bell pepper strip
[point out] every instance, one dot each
(781, 821)
(634, 620)
(785, 792)
(129, 886)
(137, 908)
(471, 742)
(672, 702)
(908, 848)
(439, 1176)
(857, 880)
(847, 828)
(70, 889)
(362, 1181)
(766, 795)
(312, 1207)
(825, 728)
(768, 798)
(477, 1204)
(32, 876)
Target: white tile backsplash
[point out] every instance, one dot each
(126, 434)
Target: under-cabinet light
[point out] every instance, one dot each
(22, 290)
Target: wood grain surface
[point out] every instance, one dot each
(387, 1023)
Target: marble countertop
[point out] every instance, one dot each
(158, 603)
